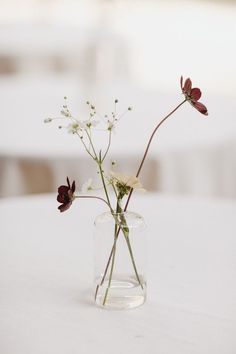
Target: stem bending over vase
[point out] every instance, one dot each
(113, 249)
(122, 186)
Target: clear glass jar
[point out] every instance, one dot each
(120, 260)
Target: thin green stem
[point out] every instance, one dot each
(113, 255)
(99, 162)
(91, 197)
(137, 174)
(148, 146)
(105, 272)
(133, 261)
(126, 235)
(104, 184)
(90, 138)
(91, 143)
(108, 146)
(81, 138)
(125, 230)
(114, 189)
(112, 266)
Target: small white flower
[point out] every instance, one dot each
(65, 112)
(127, 181)
(75, 127)
(110, 125)
(90, 123)
(47, 120)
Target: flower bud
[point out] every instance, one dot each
(47, 120)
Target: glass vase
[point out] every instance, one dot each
(120, 260)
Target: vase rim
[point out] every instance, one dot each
(107, 216)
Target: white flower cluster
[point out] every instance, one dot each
(129, 181)
(77, 126)
(124, 183)
(82, 128)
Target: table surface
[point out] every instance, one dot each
(46, 268)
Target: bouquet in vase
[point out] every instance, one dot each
(120, 280)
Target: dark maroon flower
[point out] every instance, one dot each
(66, 195)
(193, 95)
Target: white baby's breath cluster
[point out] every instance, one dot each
(121, 184)
(94, 119)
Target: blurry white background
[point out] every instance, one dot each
(133, 50)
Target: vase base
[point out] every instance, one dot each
(124, 293)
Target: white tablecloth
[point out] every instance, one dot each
(46, 276)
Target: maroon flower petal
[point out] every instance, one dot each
(66, 195)
(63, 189)
(73, 187)
(200, 107)
(181, 83)
(64, 207)
(63, 198)
(195, 94)
(187, 86)
(60, 198)
(68, 182)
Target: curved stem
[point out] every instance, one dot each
(104, 186)
(106, 269)
(99, 162)
(137, 174)
(115, 192)
(91, 143)
(126, 235)
(148, 146)
(112, 265)
(108, 146)
(133, 261)
(81, 138)
(92, 197)
(113, 256)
